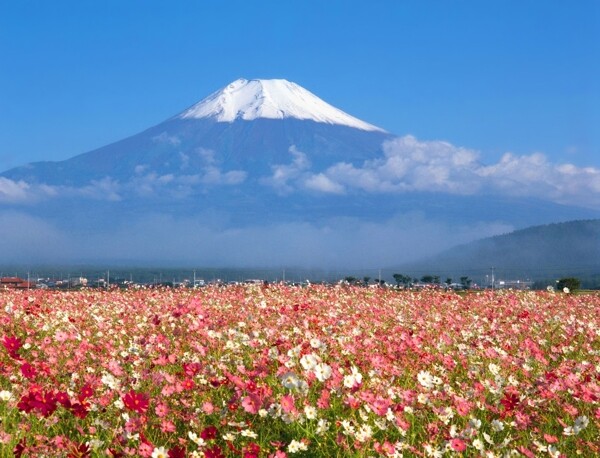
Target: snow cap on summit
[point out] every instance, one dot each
(272, 99)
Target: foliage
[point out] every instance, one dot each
(279, 371)
(402, 280)
(571, 283)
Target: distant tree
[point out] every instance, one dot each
(448, 281)
(366, 280)
(466, 282)
(436, 279)
(403, 280)
(569, 282)
(350, 279)
(427, 278)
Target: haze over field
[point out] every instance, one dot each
(272, 171)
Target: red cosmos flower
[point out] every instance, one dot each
(252, 450)
(12, 345)
(28, 371)
(43, 402)
(86, 392)
(509, 401)
(19, 448)
(188, 384)
(79, 410)
(191, 369)
(214, 452)
(79, 451)
(177, 452)
(208, 433)
(63, 399)
(137, 402)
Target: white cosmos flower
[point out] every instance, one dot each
(353, 379)
(497, 425)
(159, 452)
(290, 380)
(478, 444)
(322, 426)
(315, 343)
(310, 412)
(425, 379)
(309, 361)
(296, 446)
(581, 423)
(322, 372)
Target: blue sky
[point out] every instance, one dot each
(494, 76)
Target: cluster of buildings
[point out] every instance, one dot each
(16, 283)
(79, 282)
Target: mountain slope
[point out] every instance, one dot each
(535, 252)
(248, 126)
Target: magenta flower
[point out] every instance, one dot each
(12, 345)
(138, 402)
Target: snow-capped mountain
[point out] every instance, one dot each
(270, 99)
(246, 128)
(263, 172)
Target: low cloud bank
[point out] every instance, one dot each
(158, 239)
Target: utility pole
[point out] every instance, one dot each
(493, 284)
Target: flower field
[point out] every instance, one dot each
(280, 371)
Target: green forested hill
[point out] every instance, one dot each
(537, 253)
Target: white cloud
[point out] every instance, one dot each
(207, 155)
(322, 183)
(284, 173)
(409, 165)
(406, 165)
(534, 176)
(164, 137)
(21, 192)
(214, 176)
(13, 191)
(105, 189)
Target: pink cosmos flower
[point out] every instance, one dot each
(287, 404)
(167, 426)
(161, 409)
(458, 445)
(251, 404)
(208, 407)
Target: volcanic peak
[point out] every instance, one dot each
(271, 99)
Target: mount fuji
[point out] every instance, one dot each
(261, 173)
(239, 132)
